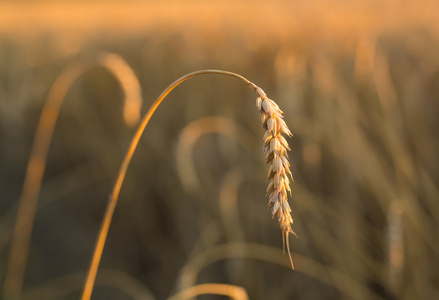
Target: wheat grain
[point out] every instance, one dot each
(275, 149)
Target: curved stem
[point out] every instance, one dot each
(190, 135)
(351, 287)
(103, 231)
(231, 291)
(28, 202)
(32, 182)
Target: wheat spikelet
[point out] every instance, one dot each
(275, 149)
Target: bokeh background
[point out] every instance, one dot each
(358, 82)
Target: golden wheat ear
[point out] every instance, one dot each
(275, 147)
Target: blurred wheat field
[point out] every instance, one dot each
(358, 83)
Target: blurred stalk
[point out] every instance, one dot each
(27, 204)
(232, 291)
(32, 183)
(344, 283)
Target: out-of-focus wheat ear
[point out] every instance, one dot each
(396, 253)
(129, 83)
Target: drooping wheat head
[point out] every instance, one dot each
(275, 149)
(129, 82)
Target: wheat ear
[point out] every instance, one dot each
(114, 197)
(275, 149)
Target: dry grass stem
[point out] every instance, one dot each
(275, 149)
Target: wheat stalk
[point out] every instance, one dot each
(270, 109)
(27, 204)
(63, 286)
